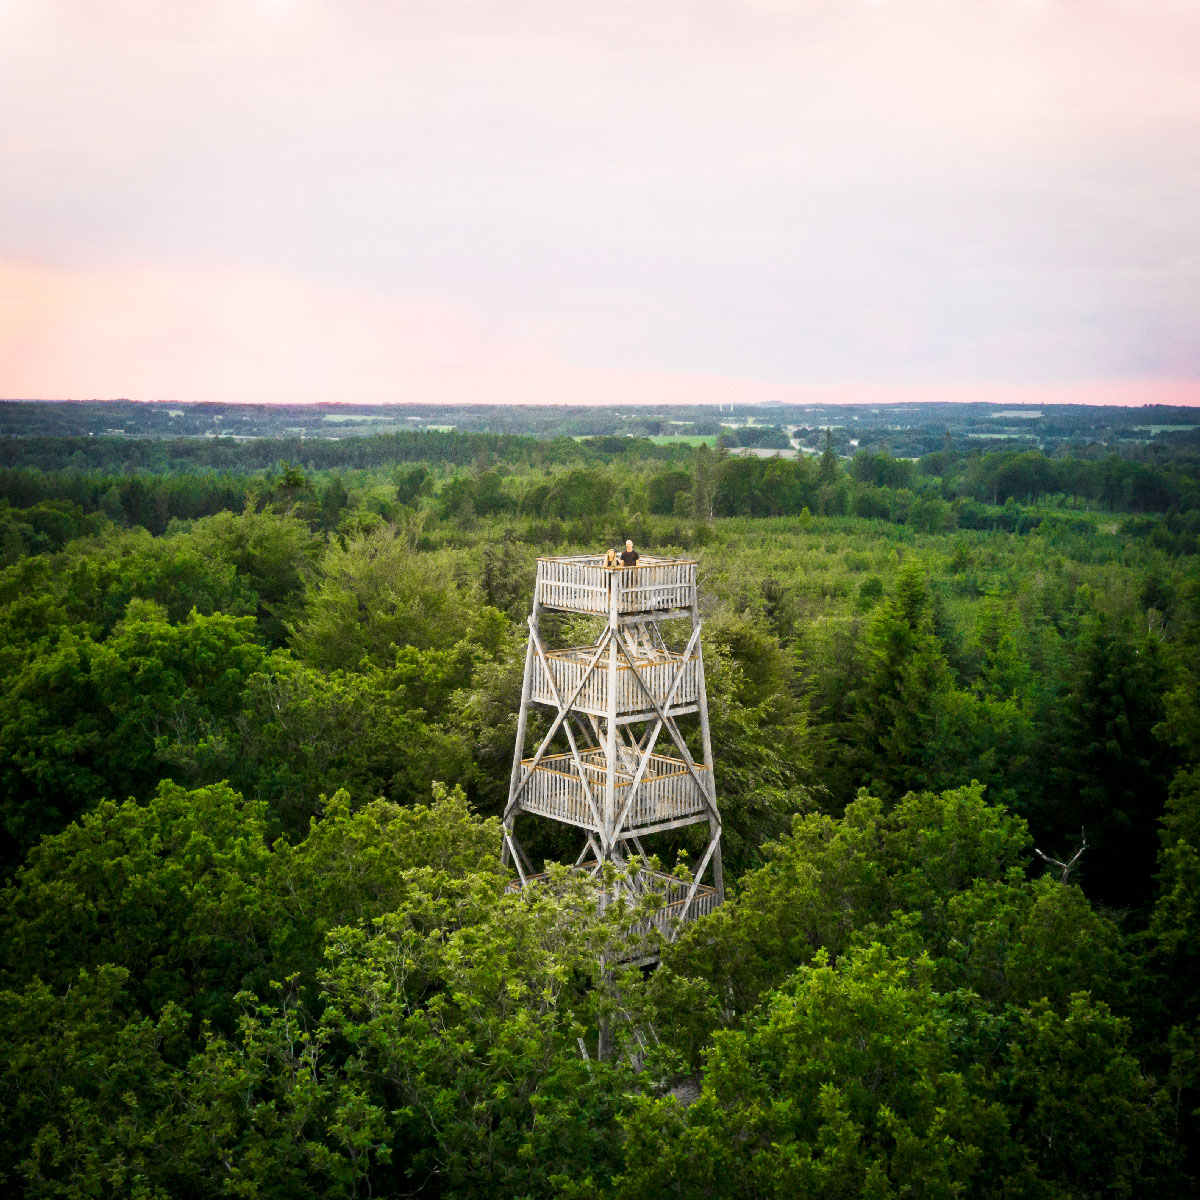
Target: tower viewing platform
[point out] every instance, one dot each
(678, 903)
(669, 797)
(582, 583)
(626, 772)
(654, 678)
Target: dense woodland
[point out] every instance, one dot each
(255, 733)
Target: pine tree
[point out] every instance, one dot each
(893, 731)
(1110, 780)
(828, 471)
(703, 483)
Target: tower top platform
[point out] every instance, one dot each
(582, 583)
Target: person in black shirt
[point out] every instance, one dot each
(629, 556)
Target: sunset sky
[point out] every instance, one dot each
(610, 201)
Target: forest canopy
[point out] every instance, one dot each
(255, 735)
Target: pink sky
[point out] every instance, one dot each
(662, 201)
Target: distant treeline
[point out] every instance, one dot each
(742, 487)
(359, 453)
(784, 487)
(459, 477)
(1028, 476)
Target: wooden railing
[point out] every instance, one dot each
(581, 583)
(568, 667)
(667, 791)
(704, 902)
(674, 892)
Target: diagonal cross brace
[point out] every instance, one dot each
(515, 850)
(646, 754)
(566, 724)
(589, 843)
(672, 728)
(558, 720)
(644, 760)
(712, 845)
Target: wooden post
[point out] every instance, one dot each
(523, 715)
(604, 1039)
(714, 825)
(610, 733)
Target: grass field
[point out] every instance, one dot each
(684, 439)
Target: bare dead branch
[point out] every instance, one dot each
(1065, 867)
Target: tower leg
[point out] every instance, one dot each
(718, 871)
(610, 751)
(714, 823)
(512, 851)
(519, 749)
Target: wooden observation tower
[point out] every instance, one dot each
(621, 770)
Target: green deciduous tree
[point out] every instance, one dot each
(832, 881)
(168, 890)
(79, 721)
(376, 593)
(845, 1085)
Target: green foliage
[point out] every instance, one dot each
(279, 969)
(829, 880)
(1114, 785)
(241, 564)
(109, 1102)
(376, 593)
(356, 866)
(94, 583)
(1012, 942)
(1176, 912)
(441, 1036)
(272, 554)
(79, 720)
(579, 494)
(302, 732)
(168, 891)
(759, 735)
(766, 437)
(88, 1086)
(663, 489)
(1093, 1122)
(765, 487)
(905, 670)
(471, 1029)
(846, 1085)
(969, 1054)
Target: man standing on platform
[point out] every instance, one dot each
(629, 556)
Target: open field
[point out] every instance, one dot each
(684, 439)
